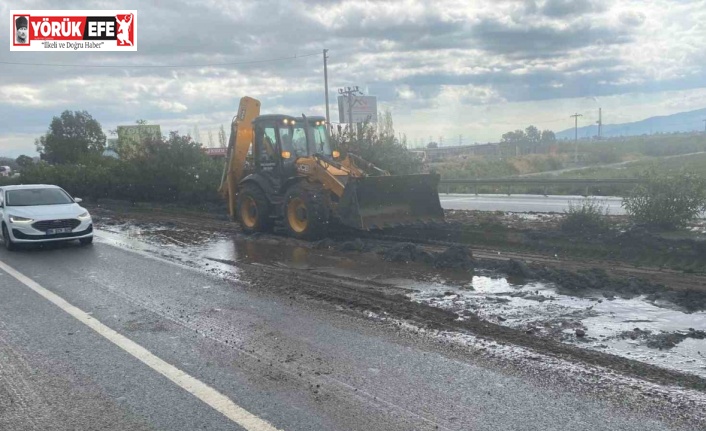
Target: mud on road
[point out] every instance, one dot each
(437, 286)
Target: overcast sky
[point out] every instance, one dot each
(475, 68)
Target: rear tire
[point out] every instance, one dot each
(305, 212)
(252, 210)
(9, 245)
(86, 241)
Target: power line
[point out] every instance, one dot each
(172, 66)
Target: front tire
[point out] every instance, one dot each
(305, 212)
(86, 241)
(9, 244)
(252, 210)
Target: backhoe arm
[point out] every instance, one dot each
(241, 137)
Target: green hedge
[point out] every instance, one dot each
(168, 171)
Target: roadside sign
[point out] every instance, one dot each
(364, 109)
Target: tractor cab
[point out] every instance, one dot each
(284, 138)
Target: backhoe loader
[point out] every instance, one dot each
(283, 169)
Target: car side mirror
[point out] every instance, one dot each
(78, 200)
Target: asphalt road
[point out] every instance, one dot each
(522, 203)
(281, 363)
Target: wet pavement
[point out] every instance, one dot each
(595, 320)
(299, 363)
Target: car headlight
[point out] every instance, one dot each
(84, 216)
(16, 219)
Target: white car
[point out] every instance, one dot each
(40, 213)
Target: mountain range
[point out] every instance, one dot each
(689, 121)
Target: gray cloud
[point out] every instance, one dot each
(534, 40)
(514, 50)
(563, 8)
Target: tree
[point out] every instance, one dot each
(222, 140)
(24, 161)
(379, 145)
(210, 138)
(70, 138)
(548, 137)
(197, 134)
(532, 135)
(432, 145)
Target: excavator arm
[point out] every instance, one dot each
(241, 138)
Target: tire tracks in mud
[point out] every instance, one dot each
(383, 299)
(673, 279)
(367, 295)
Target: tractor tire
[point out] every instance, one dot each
(305, 212)
(253, 210)
(9, 245)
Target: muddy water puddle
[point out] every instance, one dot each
(632, 328)
(658, 334)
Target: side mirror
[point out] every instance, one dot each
(78, 200)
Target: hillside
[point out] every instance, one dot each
(680, 122)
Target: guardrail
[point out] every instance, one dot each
(445, 184)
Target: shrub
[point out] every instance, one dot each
(380, 146)
(666, 200)
(588, 216)
(170, 171)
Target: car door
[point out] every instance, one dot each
(266, 154)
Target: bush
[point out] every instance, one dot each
(589, 216)
(170, 171)
(666, 200)
(379, 146)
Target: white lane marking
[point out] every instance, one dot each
(200, 390)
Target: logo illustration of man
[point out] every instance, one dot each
(21, 35)
(124, 29)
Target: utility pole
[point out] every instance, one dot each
(460, 140)
(576, 136)
(600, 123)
(441, 141)
(704, 126)
(328, 123)
(349, 92)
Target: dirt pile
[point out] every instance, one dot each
(664, 340)
(454, 257)
(407, 252)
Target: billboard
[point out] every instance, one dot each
(364, 109)
(215, 152)
(138, 134)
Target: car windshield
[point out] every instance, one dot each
(30, 197)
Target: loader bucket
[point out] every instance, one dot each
(390, 201)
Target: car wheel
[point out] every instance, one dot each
(9, 245)
(86, 241)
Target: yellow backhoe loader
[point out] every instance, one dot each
(283, 168)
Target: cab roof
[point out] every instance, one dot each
(280, 117)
